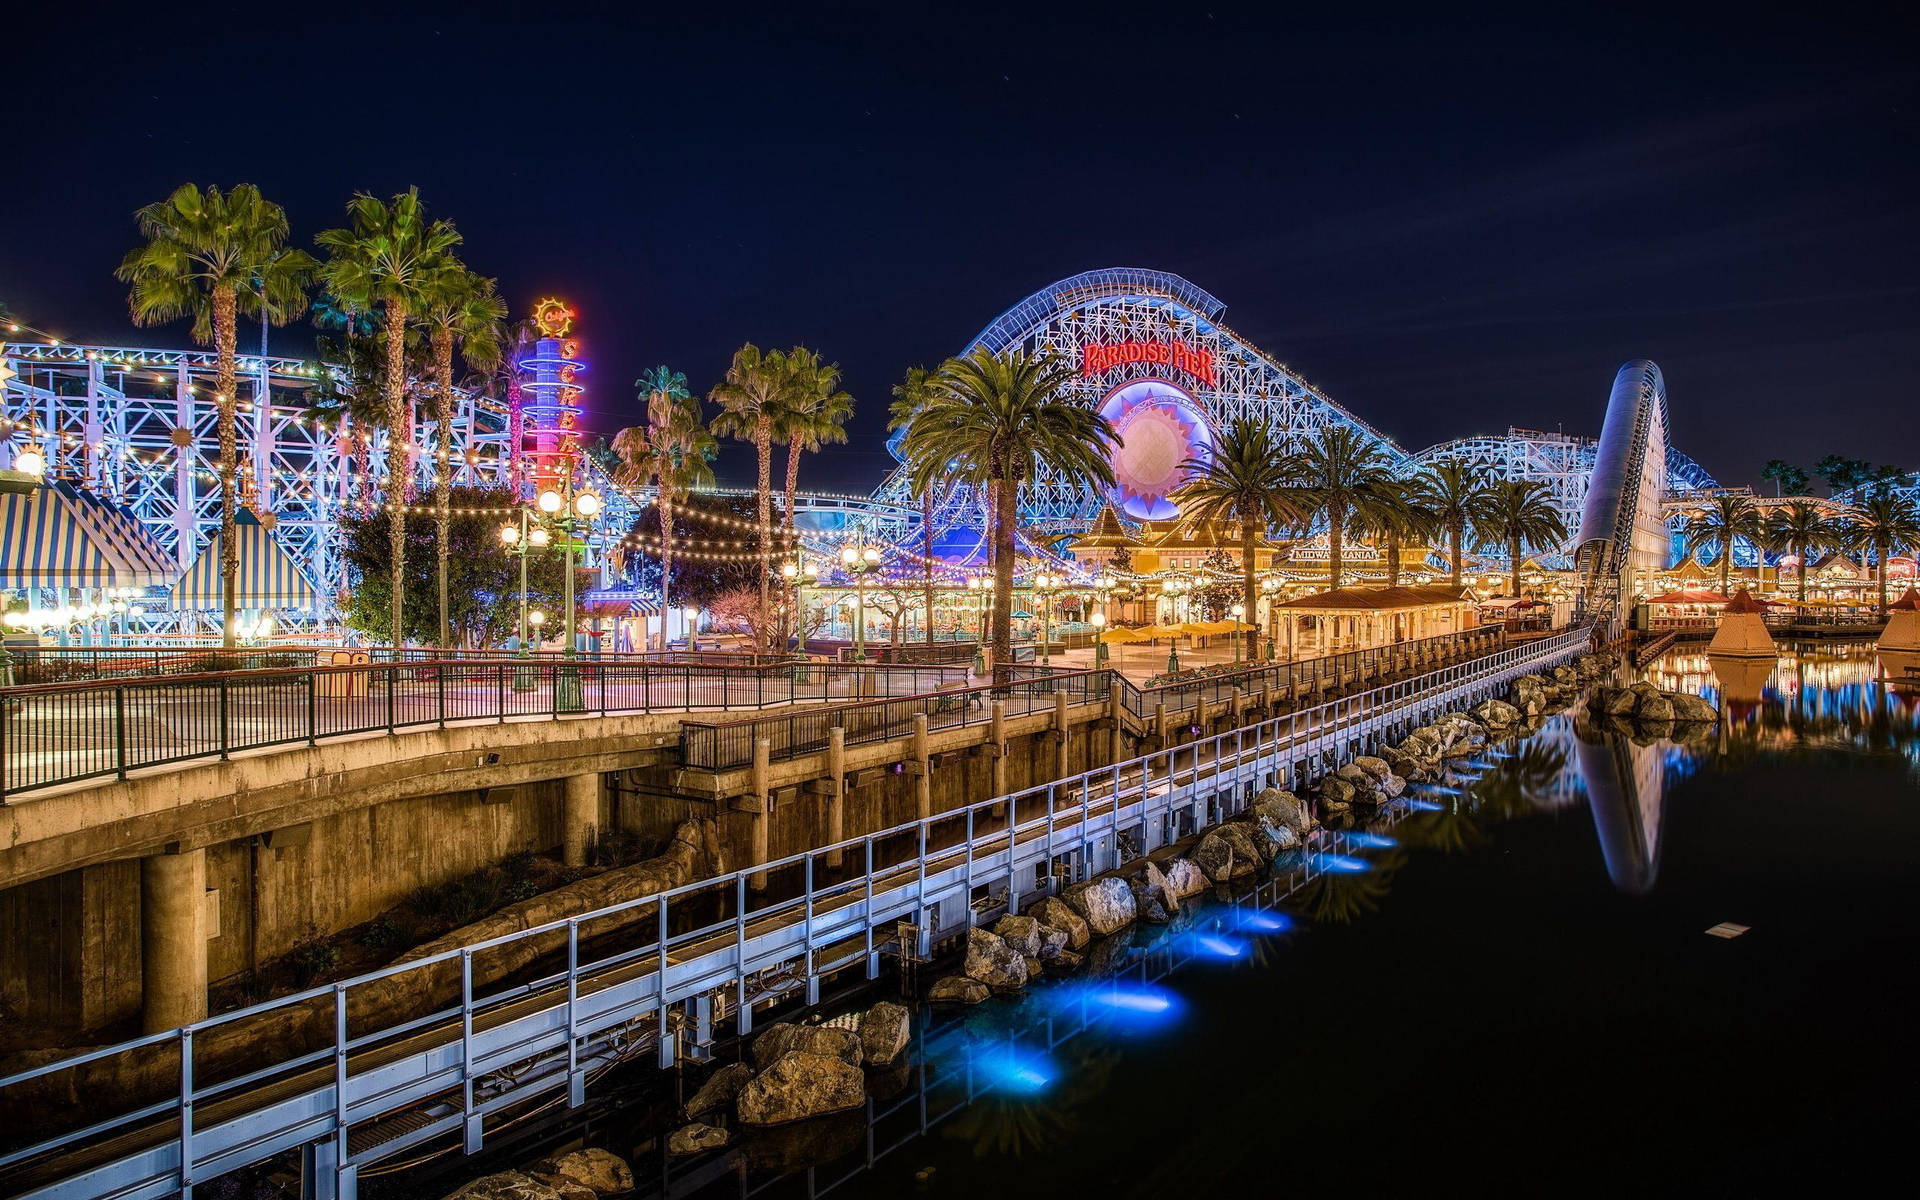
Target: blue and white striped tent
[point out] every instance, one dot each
(59, 536)
(265, 578)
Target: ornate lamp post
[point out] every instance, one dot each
(572, 511)
(1271, 586)
(521, 540)
(978, 585)
(1044, 586)
(1174, 589)
(857, 559)
(1099, 622)
(798, 576)
(1239, 614)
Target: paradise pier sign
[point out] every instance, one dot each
(1097, 358)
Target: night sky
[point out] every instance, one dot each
(1449, 228)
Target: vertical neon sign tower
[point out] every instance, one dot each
(551, 392)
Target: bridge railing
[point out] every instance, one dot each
(60, 733)
(728, 745)
(695, 939)
(61, 664)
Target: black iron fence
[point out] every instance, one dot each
(60, 664)
(62, 732)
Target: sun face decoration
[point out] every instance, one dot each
(553, 318)
(1160, 428)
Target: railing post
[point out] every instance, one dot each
(440, 690)
(393, 680)
(576, 1082)
(313, 708)
(186, 1113)
(470, 1120)
(224, 734)
(339, 1137)
(120, 729)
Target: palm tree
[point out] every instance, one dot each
(753, 398)
(1728, 516)
(388, 256)
(1800, 528)
(1397, 514)
(1520, 512)
(910, 395)
(1336, 471)
(1882, 523)
(992, 421)
(212, 256)
(461, 308)
(1245, 482)
(815, 414)
(1452, 495)
(674, 451)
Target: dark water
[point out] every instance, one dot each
(1518, 994)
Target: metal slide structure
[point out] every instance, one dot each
(1622, 528)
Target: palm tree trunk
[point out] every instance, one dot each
(1806, 552)
(1336, 530)
(1006, 504)
(1393, 557)
(443, 472)
(793, 532)
(666, 564)
(227, 405)
(398, 438)
(926, 537)
(1880, 573)
(763, 446)
(1456, 534)
(1726, 563)
(1249, 592)
(1513, 585)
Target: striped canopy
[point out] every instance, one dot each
(59, 536)
(266, 577)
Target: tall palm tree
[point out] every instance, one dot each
(674, 451)
(753, 398)
(212, 256)
(1800, 528)
(1883, 523)
(388, 256)
(815, 414)
(1452, 495)
(1726, 517)
(1336, 471)
(910, 395)
(1397, 514)
(1243, 482)
(462, 309)
(992, 421)
(1519, 513)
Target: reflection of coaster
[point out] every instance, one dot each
(1726, 929)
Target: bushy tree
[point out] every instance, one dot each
(483, 580)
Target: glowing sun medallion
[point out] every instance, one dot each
(1160, 427)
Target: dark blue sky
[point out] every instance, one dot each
(1451, 227)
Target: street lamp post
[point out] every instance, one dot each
(857, 560)
(1044, 586)
(1099, 622)
(522, 540)
(1239, 614)
(572, 511)
(1174, 589)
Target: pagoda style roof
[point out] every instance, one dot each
(1107, 533)
(1189, 534)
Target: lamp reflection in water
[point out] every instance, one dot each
(1014, 1068)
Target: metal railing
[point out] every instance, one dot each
(643, 971)
(729, 745)
(59, 664)
(60, 733)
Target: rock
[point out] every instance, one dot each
(565, 1188)
(1056, 914)
(1497, 714)
(1067, 960)
(1106, 904)
(1273, 838)
(782, 1039)
(1334, 790)
(603, 1171)
(1284, 808)
(1022, 933)
(507, 1185)
(696, 1139)
(1688, 707)
(957, 989)
(1053, 942)
(1153, 912)
(1354, 774)
(1655, 707)
(1156, 881)
(1393, 785)
(1376, 768)
(799, 1086)
(1616, 702)
(1215, 857)
(1184, 878)
(885, 1030)
(718, 1092)
(994, 963)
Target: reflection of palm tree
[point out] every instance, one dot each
(1342, 897)
(1516, 787)
(1450, 830)
(997, 1123)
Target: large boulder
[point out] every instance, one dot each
(799, 1086)
(1284, 808)
(1057, 914)
(1356, 775)
(1106, 904)
(1376, 768)
(1336, 792)
(782, 1039)
(605, 1172)
(958, 989)
(1270, 838)
(994, 963)
(1184, 879)
(885, 1030)
(717, 1094)
(1156, 881)
(696, 1139)
(1688, 707)
(1496, 714)
(507, 1185)
(1654, 707)
(1616, 702)
(1393, 785)
(1221, 859)
(1022, 933)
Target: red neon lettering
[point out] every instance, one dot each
(1097, 358)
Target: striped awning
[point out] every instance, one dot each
(59, 536)
(265, 578)
(603, 603)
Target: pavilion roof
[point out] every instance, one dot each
(1744, 602)
(1688, 596)
(1908, 602)
(1107, 532)
(1392, 599)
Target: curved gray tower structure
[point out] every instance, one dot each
(1621, 528)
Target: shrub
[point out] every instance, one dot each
(311, 959)
(384, 932)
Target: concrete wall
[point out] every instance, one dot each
(70, 948)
